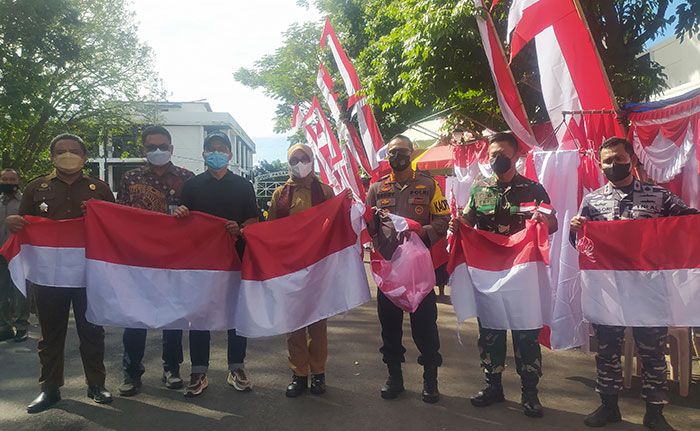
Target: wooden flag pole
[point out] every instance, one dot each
(579, 9)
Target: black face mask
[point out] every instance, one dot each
(399, 162)
(500, 164)
(8, 189)
(617, 172)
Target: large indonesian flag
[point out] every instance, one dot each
(301, 269)
(502, 280)
(47, 252)
(641, 272)
(150, 270)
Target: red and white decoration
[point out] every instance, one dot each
(502, 280)
(369, 130)
(292, 272)
(667, 141)
(571, 74)
(158, 277)
(506, 91)
(657, 285)
(349, 168)
(47, 252)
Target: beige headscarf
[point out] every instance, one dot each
(303, 147)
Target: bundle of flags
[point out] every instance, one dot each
(185, 273)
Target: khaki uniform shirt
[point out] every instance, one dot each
(50, 197)
(301, 197)
(420, 199)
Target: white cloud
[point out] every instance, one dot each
(198, 46)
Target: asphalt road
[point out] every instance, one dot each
(355, 374)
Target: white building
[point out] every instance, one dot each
(681, 61)
(188, 124)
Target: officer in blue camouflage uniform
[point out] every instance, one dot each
(417, 196)
(494, 206)
(626, 198)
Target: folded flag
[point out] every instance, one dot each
(303, 268)
(47, 252)
(502, 280)
(151, 270)
(641, 272)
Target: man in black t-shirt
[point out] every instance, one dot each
(221, 193)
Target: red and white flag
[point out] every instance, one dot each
(349, 169)
(571, 73)
(150, 270)
(506, 90)
(641, 272)
(303, 268)
(369, 130)
(502, 280)
(47, 252)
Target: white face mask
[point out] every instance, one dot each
(158, 157)
(302, 170)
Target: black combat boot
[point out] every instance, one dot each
(431, 395)
(492, 393)
(318, 384)
(654, 418)
(394, 383)
(607, 413)
(298, 386)
(531, 403)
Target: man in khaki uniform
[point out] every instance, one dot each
(58, 196)
(303, 190)
(414, 195)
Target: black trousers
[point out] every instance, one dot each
(135, 347)
(200, 348)
(423, 329)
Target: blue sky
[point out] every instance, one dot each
(199, 46)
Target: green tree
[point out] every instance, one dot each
(67, 65)
(416, 57)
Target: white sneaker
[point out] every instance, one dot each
(239, 380)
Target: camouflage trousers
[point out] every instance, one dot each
(651, 347)
(526, 349)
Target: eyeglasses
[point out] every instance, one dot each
(162, 147)
(295, 161)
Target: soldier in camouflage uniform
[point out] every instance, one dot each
(626, 198)
(494, 206)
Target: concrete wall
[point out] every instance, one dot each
(681, 62)
(187, 141)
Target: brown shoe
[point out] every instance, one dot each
(198, 383)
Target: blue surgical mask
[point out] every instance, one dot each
(216, 160)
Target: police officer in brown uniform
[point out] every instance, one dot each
(417, 196)
(58, 196)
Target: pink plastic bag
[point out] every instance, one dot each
(408, 277)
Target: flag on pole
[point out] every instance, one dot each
(151, 270)
(347, 70)
(502, 280)
(369, 130)
(506, 90)
(291, 269)
(47, 252)
(641, 272)
(571, 73)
